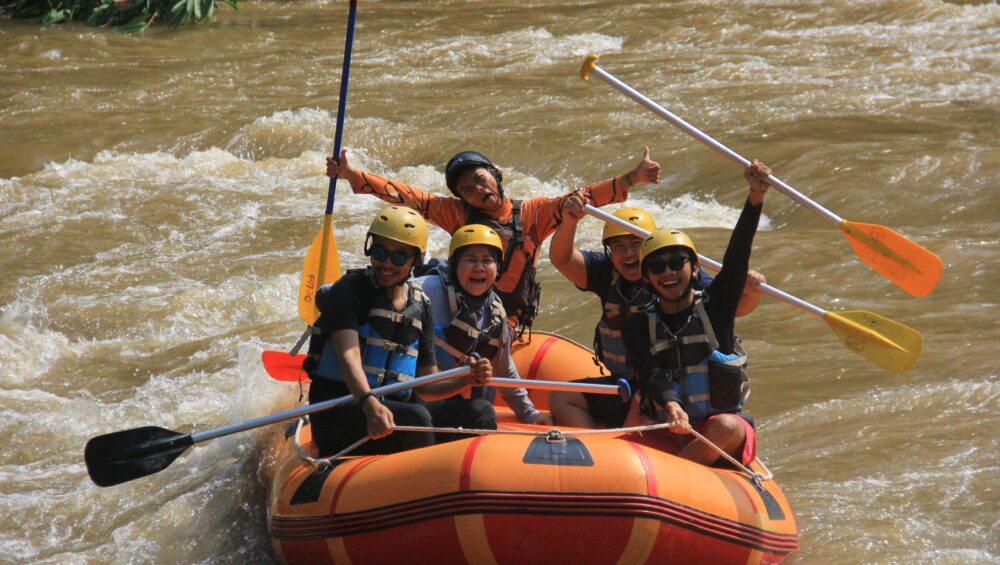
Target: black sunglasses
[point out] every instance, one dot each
(379, 253)
(657, 265)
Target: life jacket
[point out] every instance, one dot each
(707, 380)
(389, 341)
(461, 336)
(608, 343)
(516, 284)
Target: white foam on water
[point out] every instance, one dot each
(887, 433)
(809, 52)
(27, 347)
(285, 134)
(507, 52)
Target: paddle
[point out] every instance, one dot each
(910, 266)
(882, 341)
(288, 368)
(282, 366)
(122, 456)
(322, 264)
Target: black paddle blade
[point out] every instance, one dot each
(122, 456)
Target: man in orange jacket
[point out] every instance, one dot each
(523, 225)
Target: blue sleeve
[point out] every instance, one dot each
(432, 287)
(706, 279)
(599, 272)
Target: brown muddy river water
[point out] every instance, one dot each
(158, 194)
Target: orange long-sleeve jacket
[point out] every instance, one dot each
(539, 218)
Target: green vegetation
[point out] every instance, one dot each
(129, 15)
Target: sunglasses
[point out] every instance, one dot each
(399, 258)
(657, 265)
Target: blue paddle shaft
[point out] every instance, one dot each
(342, 105)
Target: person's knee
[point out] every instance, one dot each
(414, 415)
(483, 413)
(727, 429)
(560, 402)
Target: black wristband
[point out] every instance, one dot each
(364, 397)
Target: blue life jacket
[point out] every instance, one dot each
(707, 380)
(389, 343)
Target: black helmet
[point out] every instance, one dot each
(467, 159)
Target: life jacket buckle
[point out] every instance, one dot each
(393, 347)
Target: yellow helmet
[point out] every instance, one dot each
(475, 234)
(663, 238)
(635, 216)
(402, 225)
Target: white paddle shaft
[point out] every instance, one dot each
(709, 141)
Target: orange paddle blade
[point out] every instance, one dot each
(912, 267)
(282, 366)
(322, 266)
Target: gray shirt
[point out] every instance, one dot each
(502, 362)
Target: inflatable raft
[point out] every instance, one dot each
(542, 498)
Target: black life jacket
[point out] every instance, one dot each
(462, 334)
(707, 380)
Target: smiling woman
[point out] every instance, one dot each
(130, 15)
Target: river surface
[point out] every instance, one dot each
(158, 194)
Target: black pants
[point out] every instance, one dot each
(457, 412)
(337, 428)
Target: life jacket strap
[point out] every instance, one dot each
(382, 374)
(614, 357)
(395, 317)
(466, 328)
(448, 348)
(609, 332)
(392, 346)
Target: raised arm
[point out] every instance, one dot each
(566, 258)
(443, 211)
(546, 213)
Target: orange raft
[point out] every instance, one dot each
(600, 498)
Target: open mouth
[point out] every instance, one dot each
(489, 199)
(670, 284)
(386, 274)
